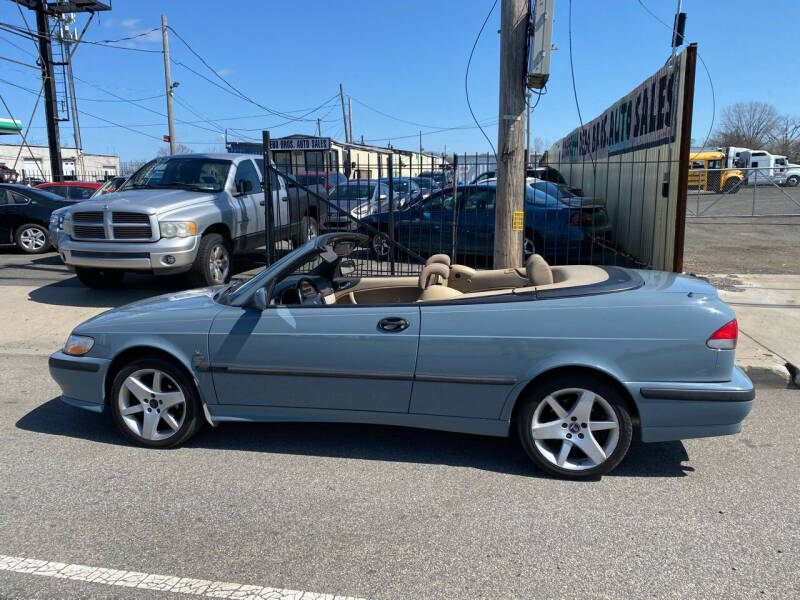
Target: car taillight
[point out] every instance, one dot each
(581, 218)
(725, 337)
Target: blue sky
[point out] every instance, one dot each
(406, 59)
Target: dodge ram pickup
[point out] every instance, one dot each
(184, 214)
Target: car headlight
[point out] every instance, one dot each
(171, 229)
(66, 224)
(363, 210)
(78, 345)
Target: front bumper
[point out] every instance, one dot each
(150, 256)
(677, 411)
(81, 379)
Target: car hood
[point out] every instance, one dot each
(161, 308)
(151, 201)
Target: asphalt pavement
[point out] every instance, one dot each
(370, 512)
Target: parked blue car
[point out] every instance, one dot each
(574, 360)
(557, 225)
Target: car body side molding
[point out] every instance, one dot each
(699, 395)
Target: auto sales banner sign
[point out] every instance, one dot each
(644, 118)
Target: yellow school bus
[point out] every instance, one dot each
(707, 175)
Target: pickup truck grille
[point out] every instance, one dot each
(93, 232)
(88, 217)
(128, 226)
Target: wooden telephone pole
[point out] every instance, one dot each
(508, 230)
(168, 83)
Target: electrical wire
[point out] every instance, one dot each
(575, 90)
(705, 67)
(466, 79)
(16, 30)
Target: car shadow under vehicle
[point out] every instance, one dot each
(356, 441)
(71, 292)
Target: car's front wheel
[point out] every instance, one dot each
(792, 181)
(154, 403)
(575, 426)
(212, 265)
(32, 238)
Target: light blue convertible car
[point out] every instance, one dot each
(574, 360)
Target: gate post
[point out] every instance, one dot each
(269, 216)
(390, 168)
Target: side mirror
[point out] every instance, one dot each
(382, 197)
(244, 186)
(347, 266)
(260, 299)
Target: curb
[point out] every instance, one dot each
(768, 375)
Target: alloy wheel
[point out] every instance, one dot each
(380, 245)
(528, 247)
(311, 230)
(575, 429)
(151, 404)
(219, 263)
(32, 239)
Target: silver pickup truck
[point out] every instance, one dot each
(183, 213)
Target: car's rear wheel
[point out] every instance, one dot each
(32, 238)
(212, 265)
(154, 403)
(99, 278)
(575, 426)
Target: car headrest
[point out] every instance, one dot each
(538, 270)
(435, 273)
(438, 258)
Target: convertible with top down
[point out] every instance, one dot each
(574, 360)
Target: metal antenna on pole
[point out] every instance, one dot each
(344, 115)
(168, 83)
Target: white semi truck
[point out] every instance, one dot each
(762, 168)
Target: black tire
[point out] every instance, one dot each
(201, 274)
(732, 185)
(309, 229)
(792, 181)
(379, 246)
(191, 411)
(578, 465)
(32, 238)
(99, 278)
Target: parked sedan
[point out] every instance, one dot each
(25, 215)
(553, 225)
(568, 359)
(356, 199)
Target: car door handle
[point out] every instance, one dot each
(393, 324)
(263, 203)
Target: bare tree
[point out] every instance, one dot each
(785, 137)
(747, 124)
(179, 149)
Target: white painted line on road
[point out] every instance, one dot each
(162, 583)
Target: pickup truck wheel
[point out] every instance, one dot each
(212, 265)
(575, 426)
(793, 181)
(309, 229)
(32, 238)
(99, 278)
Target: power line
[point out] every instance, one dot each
(574, 87)
(466, 79)
(16, 30)
(705, 67)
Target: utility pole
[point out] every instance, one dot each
(319, 128)
(49, 83)
(350, 117)
(344, 115)
(527, 130)
(168, 83)
(508, 230)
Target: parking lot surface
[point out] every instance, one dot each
(370, 512)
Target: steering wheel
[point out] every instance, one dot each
(308, 293)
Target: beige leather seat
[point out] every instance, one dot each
(438, 258)
(538, 271)
(433, 283)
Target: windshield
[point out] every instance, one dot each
(231, 293)
(207, 174)
(353, 191)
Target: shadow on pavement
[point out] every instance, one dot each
(71, 292)
(362, 442)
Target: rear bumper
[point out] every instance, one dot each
(81, 379)
(675, 411)
(131, 257)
